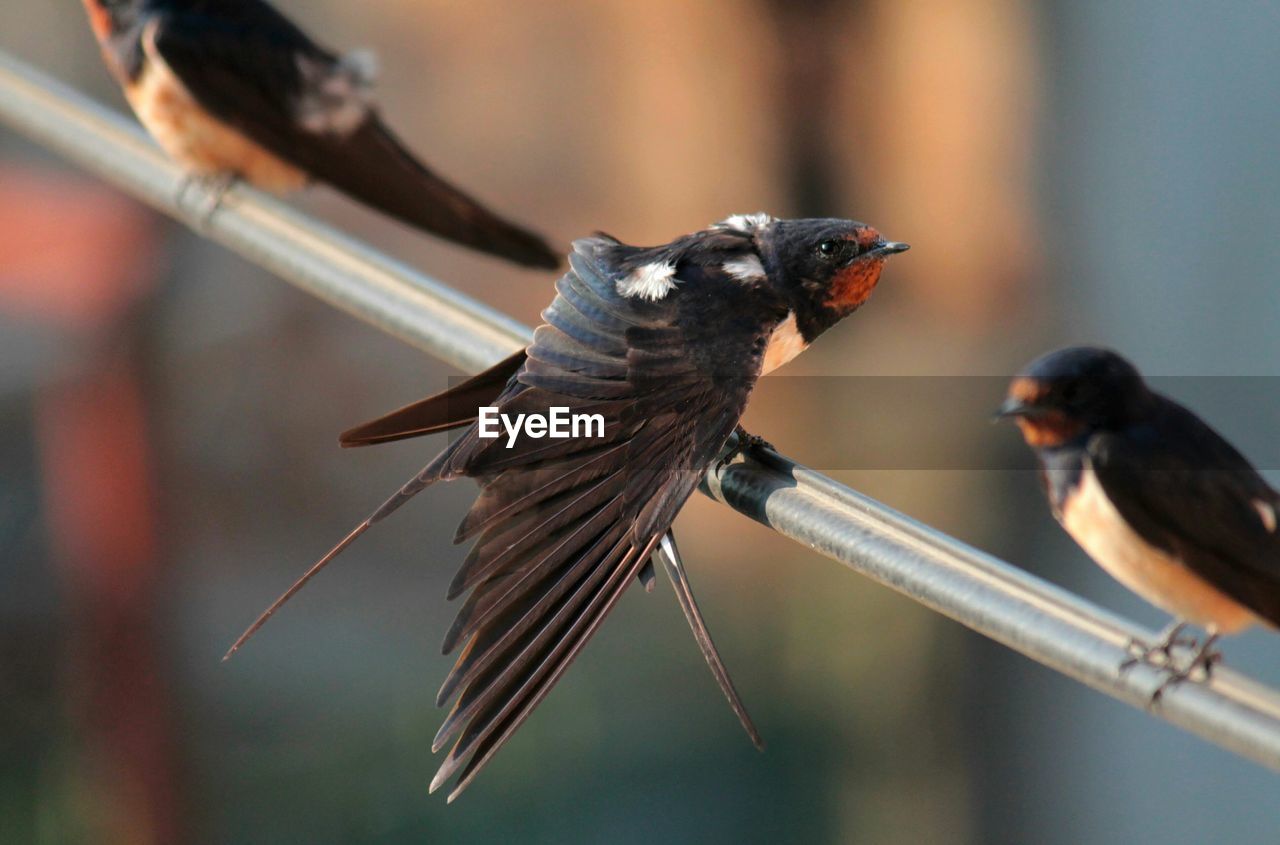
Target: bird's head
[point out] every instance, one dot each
(801, 276)
(823, 269)
(1069, 394)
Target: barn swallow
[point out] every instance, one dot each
(1153, 494)
(233, 89)
(666, 344)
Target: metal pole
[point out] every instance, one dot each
(317, 258)
(996, 599)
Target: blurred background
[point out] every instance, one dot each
(1065, 171)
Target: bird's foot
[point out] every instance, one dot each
(1160, 654)
(213, 188)
(1199, 670)
(746, 443)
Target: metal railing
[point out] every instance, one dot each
(1001, 601)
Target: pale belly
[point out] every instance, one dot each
(1093, 522)
(196, 139)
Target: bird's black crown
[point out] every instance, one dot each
(1088, 385)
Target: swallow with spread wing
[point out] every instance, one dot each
(1158, 498)
(666, 343)
(233, 89)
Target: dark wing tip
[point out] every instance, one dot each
(449, 409)
(373, 166)
(669, 555)
(538, 255)
(360, 436)
(386, 429)
(494, 235)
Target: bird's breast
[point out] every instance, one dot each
(1093, 521)
(785, 343)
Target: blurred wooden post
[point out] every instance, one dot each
(812, 37)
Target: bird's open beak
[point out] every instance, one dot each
(886, 248)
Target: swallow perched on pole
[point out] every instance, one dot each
(665, 343)
(233, 89)
(1153, 494)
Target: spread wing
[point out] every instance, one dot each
(254, 70)
(1187, 491)
(562, 527)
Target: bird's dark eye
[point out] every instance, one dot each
(829, 249)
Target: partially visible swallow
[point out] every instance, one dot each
(666, 343)
(232, 88)
(1153, 494)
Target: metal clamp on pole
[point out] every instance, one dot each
(996, 599)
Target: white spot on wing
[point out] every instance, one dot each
(1268, 513)
(749, 223)
(785, 343)
(745, 269)
(337, 97)
(362, 65)
(649, 281)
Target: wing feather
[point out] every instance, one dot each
(496, 733)
(516, 491)
(531, 594)
(453, 408)
(1187, 491)
(252, 69)
(563, 527)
